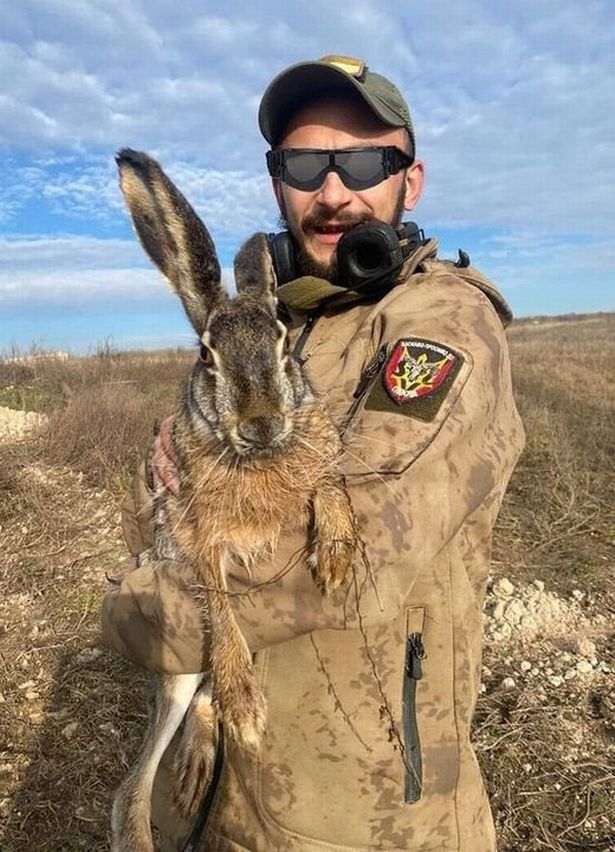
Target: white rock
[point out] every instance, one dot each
(538, 584)
(570, 674)
(586, 648)
(514, 612)
(498, 611)
(503, 588)
(578, 595)
(525, 666)
(88, 655)
(556, 680)
(584, 667)
(508, 683)
(69, 731)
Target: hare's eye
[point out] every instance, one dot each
(206, 357)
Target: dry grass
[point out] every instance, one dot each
(548, 753)
(558, 519)
(69, 711)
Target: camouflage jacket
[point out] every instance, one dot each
(370, 693)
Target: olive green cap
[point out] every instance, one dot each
(325, 76)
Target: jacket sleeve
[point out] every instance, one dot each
(153, 617)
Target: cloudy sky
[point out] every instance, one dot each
(513, 105)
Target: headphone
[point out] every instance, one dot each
(368, 255)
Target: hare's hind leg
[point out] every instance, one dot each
(237, 700)
(194, 757)
(335, 536)
(130, 820)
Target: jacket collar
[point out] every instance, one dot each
(309, 293)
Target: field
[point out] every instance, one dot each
(71, 712)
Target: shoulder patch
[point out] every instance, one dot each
(416, 378)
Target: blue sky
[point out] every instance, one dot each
(512, 102)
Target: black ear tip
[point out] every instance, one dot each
(128, 156)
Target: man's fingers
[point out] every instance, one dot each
(163, 466)
(166, 439)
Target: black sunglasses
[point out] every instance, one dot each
(358, 168)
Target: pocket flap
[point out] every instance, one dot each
(386, 435)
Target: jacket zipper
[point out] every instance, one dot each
(415, 652)
(365, 382)
(196, 835)
(305, 333)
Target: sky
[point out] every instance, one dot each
(512, 104)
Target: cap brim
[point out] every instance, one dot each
(311, 80)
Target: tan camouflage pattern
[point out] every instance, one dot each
(330, 773)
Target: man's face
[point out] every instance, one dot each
(318, 219)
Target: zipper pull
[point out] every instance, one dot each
(305, 333)
(370, 371)
(415, 653)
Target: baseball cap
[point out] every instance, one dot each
(326, 76)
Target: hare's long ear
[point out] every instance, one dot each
(172, 234)
(254, 271)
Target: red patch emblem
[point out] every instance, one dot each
(417, 368)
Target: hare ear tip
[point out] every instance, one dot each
(129, 155)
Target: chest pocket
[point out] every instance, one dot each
(403, 400)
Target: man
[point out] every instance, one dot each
(371, 693)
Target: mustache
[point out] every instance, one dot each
(319, 220)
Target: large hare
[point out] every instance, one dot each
(257, 455)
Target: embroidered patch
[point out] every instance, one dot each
(416, 378)
(417, 368)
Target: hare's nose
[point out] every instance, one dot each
(260, 431)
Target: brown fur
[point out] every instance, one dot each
(236, 511)
(194, 757)
(257, 456)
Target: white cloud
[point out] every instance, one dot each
(509, 101)
(65, 269)
(511, 104)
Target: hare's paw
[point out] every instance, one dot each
(194, 757)
(330, 561)
(242, 711)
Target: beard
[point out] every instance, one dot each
(305, 264)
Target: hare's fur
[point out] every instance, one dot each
(257, 456)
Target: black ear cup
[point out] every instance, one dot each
(370, 252)
(282, 250)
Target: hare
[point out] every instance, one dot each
(257, 455)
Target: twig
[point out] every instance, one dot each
(332, 690)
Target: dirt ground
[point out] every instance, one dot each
(71, 712)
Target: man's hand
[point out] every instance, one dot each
(164, 459)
